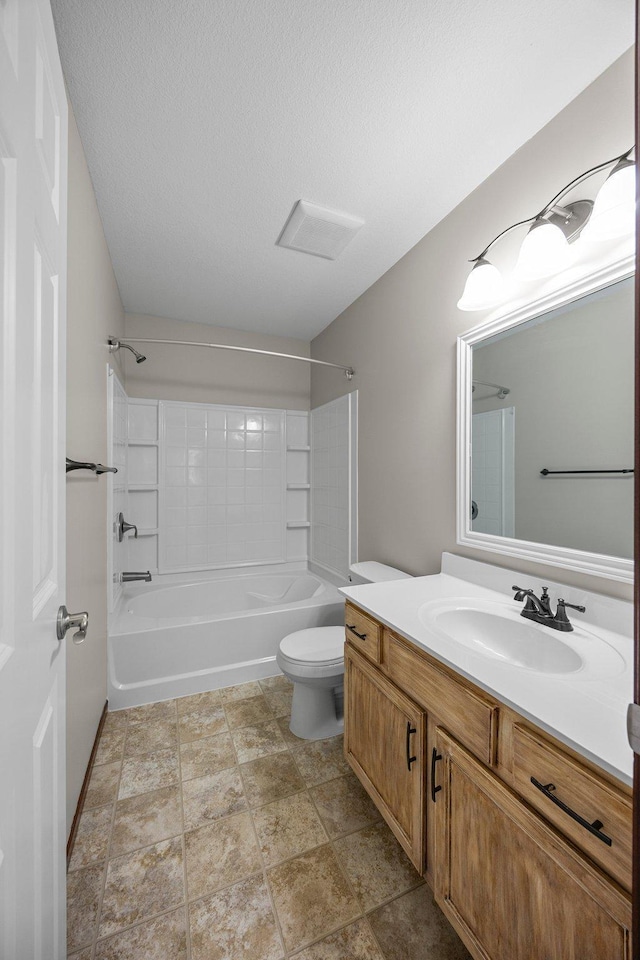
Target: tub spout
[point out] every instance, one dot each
(130, 575)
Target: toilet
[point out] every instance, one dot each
(314, 662)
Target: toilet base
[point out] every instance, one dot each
(317, 711)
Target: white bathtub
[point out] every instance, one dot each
(184, 634)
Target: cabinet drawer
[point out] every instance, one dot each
(580, 791)
(363, 632)
(467, 714)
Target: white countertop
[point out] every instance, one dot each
(582, 709)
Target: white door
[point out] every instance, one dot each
(33, 197)
(493, 472)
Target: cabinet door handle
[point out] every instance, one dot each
(435, 756)
(352, 627)
(410, 759)
(595, 828)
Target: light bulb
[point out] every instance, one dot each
(484, 287)
(614, 211)
(544, 251)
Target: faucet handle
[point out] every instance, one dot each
(521, 593)
(574, 606)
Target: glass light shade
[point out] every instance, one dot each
(484, 287)
(614, 211)
(544, 251)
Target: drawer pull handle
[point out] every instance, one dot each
(352, 627)
(595, 828)
(435, 756)
(410, 759)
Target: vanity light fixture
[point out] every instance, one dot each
(545, 248)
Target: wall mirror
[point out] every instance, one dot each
(545, 429)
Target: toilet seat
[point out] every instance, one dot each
(316, 645)
(314, 653)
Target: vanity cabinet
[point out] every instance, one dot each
(384, 742)
(510, 827)
(507, 882)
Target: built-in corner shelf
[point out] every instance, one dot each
(298, 486)
(295, 448)
(298, 524)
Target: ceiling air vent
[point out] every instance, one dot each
(318, 231)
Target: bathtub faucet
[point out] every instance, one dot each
(130, 575)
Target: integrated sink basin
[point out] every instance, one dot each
(497, 630)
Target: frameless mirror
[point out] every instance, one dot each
(546, 431)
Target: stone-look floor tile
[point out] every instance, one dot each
(270, 778)
(288, 828)
(150, 737)
(164, 938)
(111, 746)
(247, 713)
(103, 785)
(149, 772)
(278, 684)
(279, 703)
(204, 722)
(344, 805)
(212, 797)
(321, 760)
(201, 758)
(198, 701)
(92, 838)
(221, 854)
(236, 923)
(240, 692)
(83, 900)
(115, 720)
(162, 710)
(354, 942)
(145, 819)
(258, 741)
(311, 897)
(289, 738)
(414, 928)
(376, 864)
(142, 884)
(83, 955)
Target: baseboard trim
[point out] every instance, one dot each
(85, 786)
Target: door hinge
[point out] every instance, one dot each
(633, 726)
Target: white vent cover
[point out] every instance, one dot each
(316, 230)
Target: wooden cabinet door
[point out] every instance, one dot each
(384, 743)
(507, 882)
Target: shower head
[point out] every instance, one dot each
(115, 345)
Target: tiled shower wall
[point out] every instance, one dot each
(213, 486)
(117, 441)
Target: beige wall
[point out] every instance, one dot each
(215, 376)
(94, 311)
(400, 336)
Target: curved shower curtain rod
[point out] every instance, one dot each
(116, 344)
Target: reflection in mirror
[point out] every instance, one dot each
(556, 394)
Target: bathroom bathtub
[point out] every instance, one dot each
(183, 634)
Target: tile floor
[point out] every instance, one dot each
(210, 832)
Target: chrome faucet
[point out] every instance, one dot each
(128, 575)
(539, 609)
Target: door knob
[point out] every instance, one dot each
(67, 620)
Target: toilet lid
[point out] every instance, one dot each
(317, 645)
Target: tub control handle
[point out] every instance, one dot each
(352, 627)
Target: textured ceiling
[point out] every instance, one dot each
(204, 121)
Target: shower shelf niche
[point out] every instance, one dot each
(298, 485)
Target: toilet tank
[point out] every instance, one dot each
(369, 571)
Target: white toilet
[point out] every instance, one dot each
(314, 661)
